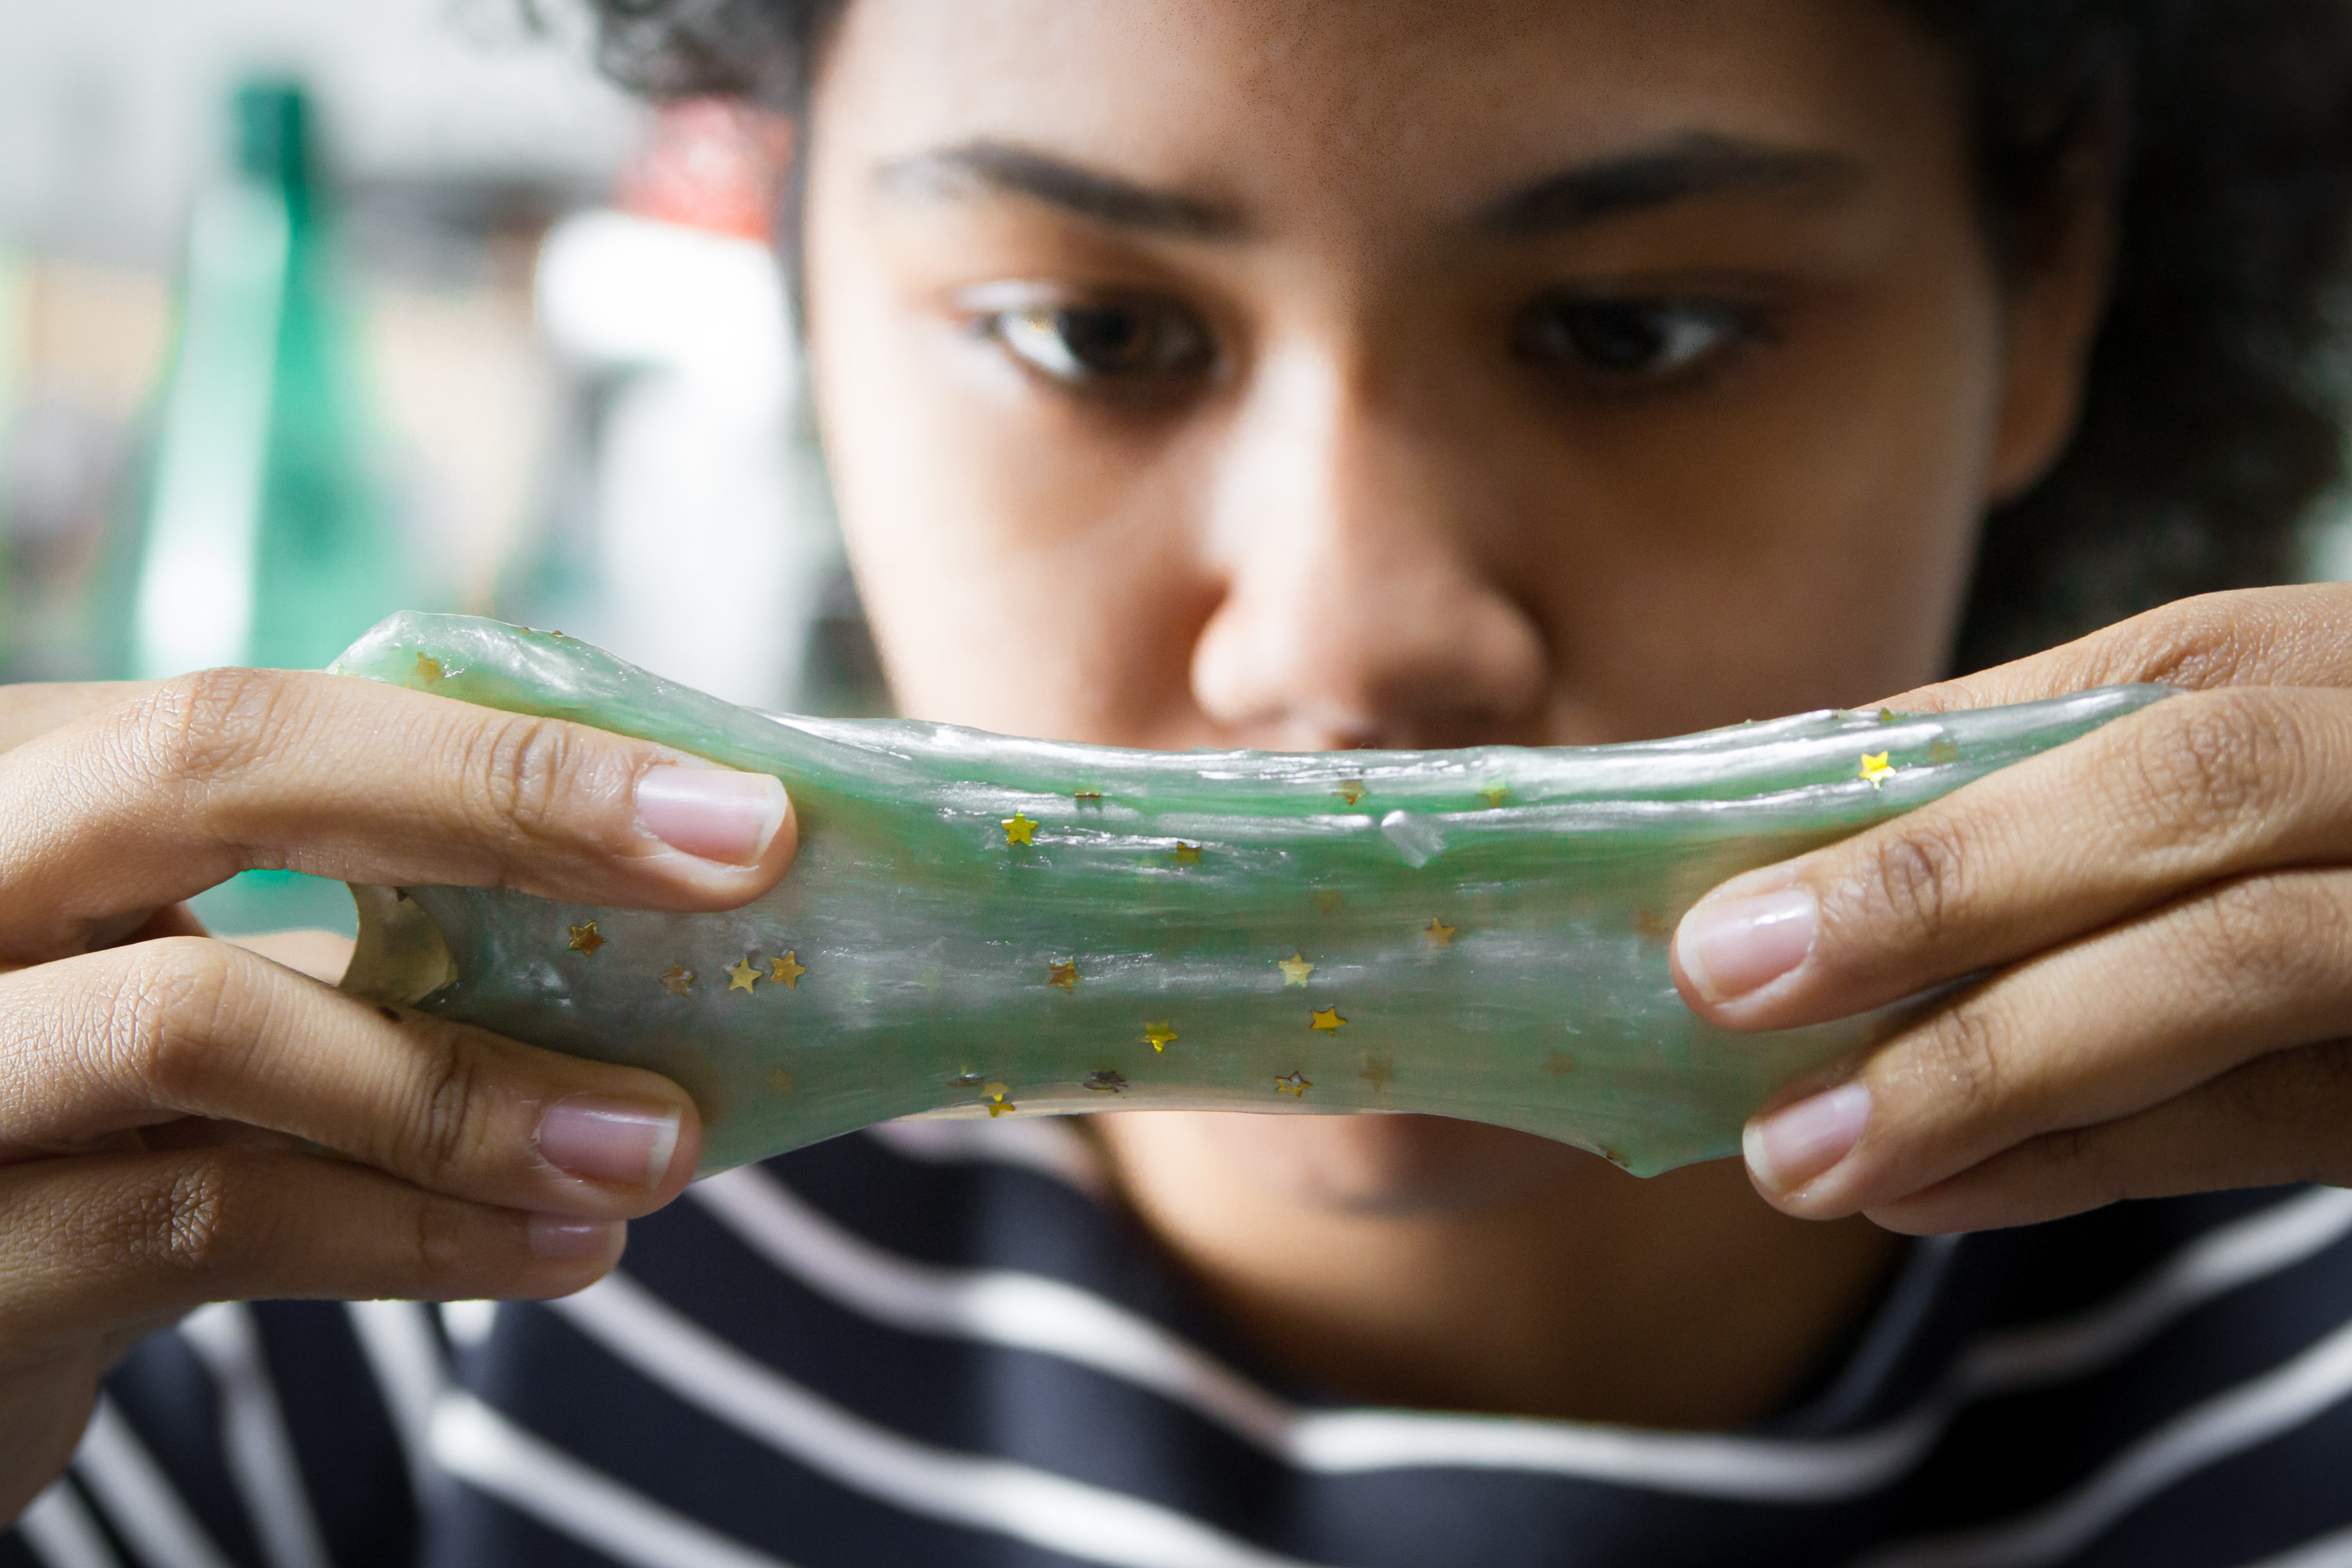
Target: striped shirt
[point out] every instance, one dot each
(936, 1345)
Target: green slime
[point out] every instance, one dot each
(1487, 929)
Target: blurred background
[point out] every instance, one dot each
(311, 311)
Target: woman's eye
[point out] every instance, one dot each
(1115, 343)
(1633, 342)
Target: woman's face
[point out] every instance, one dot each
(1262, 372)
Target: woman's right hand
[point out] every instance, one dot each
(182, 1121)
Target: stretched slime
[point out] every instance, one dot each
(985, 926)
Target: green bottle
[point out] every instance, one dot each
(267, 540)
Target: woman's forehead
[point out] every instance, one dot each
(1254, 100)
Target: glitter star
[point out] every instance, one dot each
(787, 971)
(1087, 797)
(742, 976)
(1378, 1073)
(1329, 902)
(429, 668)
(1439, 933)
(586, 939)
(1943, 749)
(964, 1080)
(1875, 768)
(1652, 925)
(1187, 854)
(780, 1083)
(1295, 969)
(1018, 829)
(679, 980)
(996, 1102)
(1351, 791)
(1295, 1084)
(1559, 1064)
(1158, 1037)
(1064, 975)
(1496, 794)
(1327, 1019)
(1103, 1081)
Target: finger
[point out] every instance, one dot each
(32, 709)
(153, 801)
(2298, 635)
(2095, 1031)
(101, 1241)
(183, 1028)
(2195, 789)
(2282, 1118)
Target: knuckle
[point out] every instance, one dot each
(209, 725)
(1957, 1062)
(164, 1030)
(530, 774)
(2220, 756)
(1920, 879)
(449, 1118)
(2259, 937)
(444, 1245)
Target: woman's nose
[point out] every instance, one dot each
(1361, 604)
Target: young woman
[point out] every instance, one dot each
(1236, 372)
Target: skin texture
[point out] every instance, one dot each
(1361, 512)
(1358, 495)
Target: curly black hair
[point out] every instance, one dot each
(2214, 415)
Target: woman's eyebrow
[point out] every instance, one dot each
(946, 173)
(1678, 169)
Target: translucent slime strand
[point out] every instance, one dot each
(984, 926)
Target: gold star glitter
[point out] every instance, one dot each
(1329, 902)
(964, 1080)
(1650, 923)
(586, 939)
(679, 980)
(1875, 768)
(1351, 791)
(1064, 975)
(1943, 749)
(1018, 829)
(1559, 1064)
(996, 1102)
(1158, 1037)
(1295, 969)
(787, 971)
(1295, 1084)
(780, 1083)
(742, 976)
(1187, 854)
(429, 668)
(1496, 794)
(1439, 933)
(1105, 1080)
(1613, 1156)
(1087, 797)
(1378, 1073)
(1327, 1019)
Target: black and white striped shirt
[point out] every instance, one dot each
(933, 1344)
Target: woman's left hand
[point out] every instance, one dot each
(2153, 926)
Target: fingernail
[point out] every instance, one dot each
(1797, 1143)
(710, 814)
(615, 1141)
(1730, 948)
(560, 1239)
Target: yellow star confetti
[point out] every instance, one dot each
(1294, 1084)
(1064, 975)
(677, 980)
(1650, 923)
(1187, 854)
(1087, 797)
(780, 1083)
(742, 976)
(1559, 1064)
(1328, 903)
(1378, 1073)
(1439, 933)
(996, 1102)
(1875, 768)
(787, 971)
(1943, 749)
(586, 939)
(1105, 1080)
(1496, 794)
(1158, 1037)
(1327, 1019)
(429, 668)
(1019, 829)
(1295, 969)
(1351, 791)
(964, 1080)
